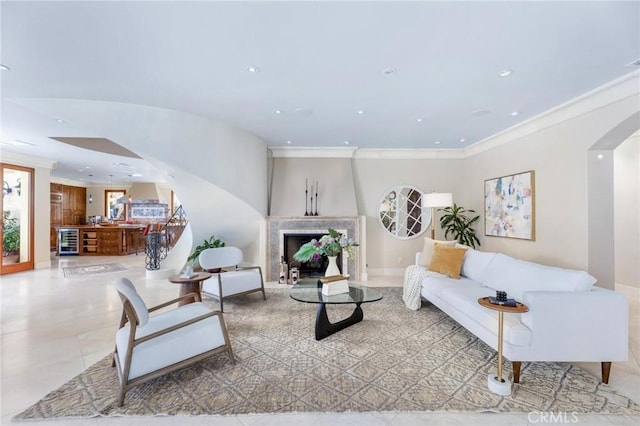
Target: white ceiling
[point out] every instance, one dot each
(320, 63)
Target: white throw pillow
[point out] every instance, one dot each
(427, 250)
(516, 276)
(475, 264)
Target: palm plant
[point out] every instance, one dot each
(456, 222)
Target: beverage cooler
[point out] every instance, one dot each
(68, 241)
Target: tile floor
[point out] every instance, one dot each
(53, 328)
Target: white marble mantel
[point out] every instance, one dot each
(278, 226)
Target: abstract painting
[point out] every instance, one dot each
(509, 206)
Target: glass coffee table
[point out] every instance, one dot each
(308, 291)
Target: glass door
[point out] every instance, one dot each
(17, 218)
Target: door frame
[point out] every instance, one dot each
(29, 192)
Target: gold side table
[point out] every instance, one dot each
(498, 384)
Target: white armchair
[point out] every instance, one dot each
(237, 281)
(151, 346)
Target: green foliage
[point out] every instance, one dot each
(456, 222)
(212, 242)
(327, 245)
(10, 234)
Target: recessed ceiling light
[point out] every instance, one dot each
(389, 71)
(135, 175)
(253, 69)
(278, 112)
(4, 67)
(19, 142)
(121, 164)
(289, 142)
(505, 72)
(635, 63)
(514, 113)
(419, 120)
(360, 112)
(346, 142)
(437, 142)
(600, 156)
(462, 139)
(60, 120)
(480, 112)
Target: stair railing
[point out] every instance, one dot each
(162, 237)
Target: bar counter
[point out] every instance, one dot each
(109, 240)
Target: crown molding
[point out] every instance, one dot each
(613, 91)
(27, 160)
(309, 152)
(409, 154)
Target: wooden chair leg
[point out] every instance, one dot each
(606, 369)
(516, 371)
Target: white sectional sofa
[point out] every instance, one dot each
(569, 319)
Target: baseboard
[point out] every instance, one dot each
(628, 290)
(386, 272)
(44, 265)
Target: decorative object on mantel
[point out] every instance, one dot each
(509, 206)
(330, 245)
(310, 212)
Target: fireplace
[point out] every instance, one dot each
(299, 230)
(312, 268)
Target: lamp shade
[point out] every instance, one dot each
(437, 199)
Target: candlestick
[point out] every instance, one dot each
(316, 213)
(306, 212)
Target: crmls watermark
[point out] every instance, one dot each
(549, 417)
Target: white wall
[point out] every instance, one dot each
(336, 191)
(626, 164)
(387, 255)
(220, 172)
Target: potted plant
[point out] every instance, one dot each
(10, 236)
(456, 222)
(212, 242)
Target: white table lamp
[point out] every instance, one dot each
(436, 200)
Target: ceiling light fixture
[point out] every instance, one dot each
(19, 142)
(514, 113)
(289, 142)
(346, 142)
(253, 69)
(437, 142)
(4, 67)
(462, 139)
(360, 112)
(60, 120)
(505, 73)
(278, 112)
(600, 156)
(389, 71)
(419, 120)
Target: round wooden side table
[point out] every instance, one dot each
(190, 285)
(498, 384)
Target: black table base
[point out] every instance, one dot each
(324, 328)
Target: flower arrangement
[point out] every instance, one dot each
(328, 245)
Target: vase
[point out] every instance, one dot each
(332, 268)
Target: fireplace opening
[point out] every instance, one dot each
(312, 268)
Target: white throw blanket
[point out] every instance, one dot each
(413, 276)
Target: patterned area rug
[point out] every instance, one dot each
(83, 271)
(394, 360)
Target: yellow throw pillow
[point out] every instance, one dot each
(427, 250)
(447, 260)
